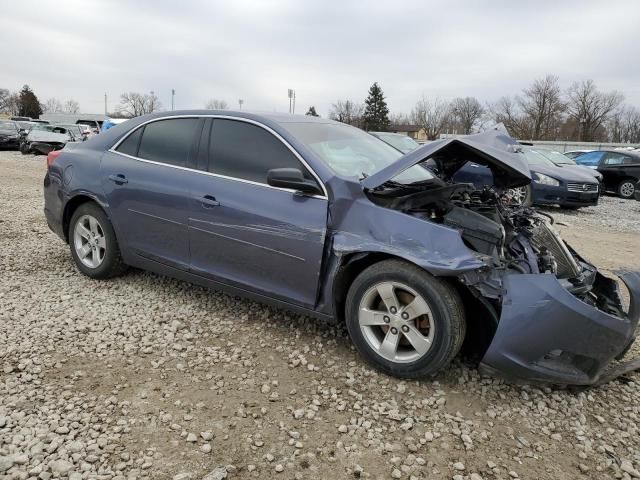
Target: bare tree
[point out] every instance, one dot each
(71, 106)
(466, 112)
(215, 104)
(591, 108)
(347, 111)
(4, 98)
(12, 104)
(624, 126)
(52, 105)
(399, 119)
(433, 116)
(542, 107)
(507, 111)
(134, 104)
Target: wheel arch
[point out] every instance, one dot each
(72, 205)
(353, 264)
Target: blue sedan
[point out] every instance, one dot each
(323, 219)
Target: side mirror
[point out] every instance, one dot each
(291, 178)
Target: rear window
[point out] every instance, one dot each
(168, 141)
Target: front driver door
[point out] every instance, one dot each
(246, 233)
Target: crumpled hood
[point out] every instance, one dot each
(492, 148)
(45, 136)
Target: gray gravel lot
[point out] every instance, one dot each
(150, 378)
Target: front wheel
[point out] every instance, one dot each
(627, 188)
(93, 243)
(404, 321)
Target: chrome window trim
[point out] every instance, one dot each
(227, 117)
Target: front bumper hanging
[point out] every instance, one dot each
(545, 334)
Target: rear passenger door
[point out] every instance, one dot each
(246, 233)
(146, 181)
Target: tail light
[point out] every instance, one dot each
(53, 154)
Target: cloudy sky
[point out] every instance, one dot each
(327, 50)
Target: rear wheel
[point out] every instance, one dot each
(93, 243)
(404, 321)
(627, 188)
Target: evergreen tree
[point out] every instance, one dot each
(312, 112)
(376, 112)
(28, 104)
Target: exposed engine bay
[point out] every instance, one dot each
(510, 237)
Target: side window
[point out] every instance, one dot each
(616, 159)
(242, 150)
(168, 141)
(130, 145)
(591, 159)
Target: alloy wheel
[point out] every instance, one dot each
(627, 189)
(518, 195)
(89, 241)
(396, 322)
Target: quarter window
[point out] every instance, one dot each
(246, 151)
(130, 144)
(168, 141)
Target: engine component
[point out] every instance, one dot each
(484, 235)
(544, 237)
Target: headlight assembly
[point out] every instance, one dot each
(543, 179)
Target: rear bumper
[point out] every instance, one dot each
(547, 335)
(53, 205)
(547, 195)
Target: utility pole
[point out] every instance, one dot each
(294, 102)
(292, 95)
(105, 103)
(173, 94)
(240, 102)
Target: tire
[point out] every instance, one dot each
(443, 323)
(91, 231)
(627, 188)
(24, 150)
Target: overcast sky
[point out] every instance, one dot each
(327, 50)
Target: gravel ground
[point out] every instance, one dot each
(150, 378)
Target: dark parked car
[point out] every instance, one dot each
(563, 161)
(323, 219)
(620, 169)
(9, 134)
(551, 185)
(398, 141)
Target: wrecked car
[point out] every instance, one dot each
(44, 138)
(323, 219)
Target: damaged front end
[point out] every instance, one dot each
(556, 318)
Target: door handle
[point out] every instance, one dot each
(118, 179)
(209, 201)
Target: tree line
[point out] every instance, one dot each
(542, 111)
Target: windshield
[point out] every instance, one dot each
(350, 152)
(8, 126)
(401, 142)
(556, 157)
(535, 158)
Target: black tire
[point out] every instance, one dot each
(627, 188)
(447, 315)
(24, 150)
(111, 264)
